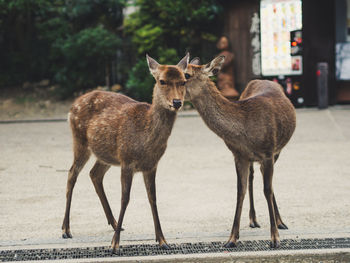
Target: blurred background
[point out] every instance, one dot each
(54, 50)
(68, 47)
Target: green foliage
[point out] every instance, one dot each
(140, 83)
(74, 42)
(166, 30)
(180, 24)
(23, 53)
(145, 38)
(85, 55)
(69, 42)
(168, 56)
(90, 43)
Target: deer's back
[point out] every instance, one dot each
(107, 123)
(269, 116)
(97, 105)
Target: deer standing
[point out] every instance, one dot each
(255, 129)
(121, 131)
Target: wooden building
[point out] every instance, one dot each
(324, 25)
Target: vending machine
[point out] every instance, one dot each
(282, 46)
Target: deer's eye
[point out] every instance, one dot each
(187, 76)
(162, 82)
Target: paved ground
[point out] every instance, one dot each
(196, 186)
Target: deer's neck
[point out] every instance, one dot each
(161, 122)
(221, 115)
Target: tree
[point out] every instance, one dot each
(166, 30)
(23, 52)
(69, 42)
(74, 42)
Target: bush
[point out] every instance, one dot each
(166, 30)
(140, 83)
(85, 57)
(72, 43)
(68, 42)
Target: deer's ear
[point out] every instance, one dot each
(214, 66)
(184, 62)
(195, 61)
(152, 64)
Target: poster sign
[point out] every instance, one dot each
(278, 19)
(342, 63)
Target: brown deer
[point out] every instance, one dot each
(255, 129)
(121, 131)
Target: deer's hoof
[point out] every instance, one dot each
(115, 250)
(275, 244)
(282, 226)
(66, 235)
(254, 225)
(165, 246)
(230, 244)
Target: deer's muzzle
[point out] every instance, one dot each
(177, 103)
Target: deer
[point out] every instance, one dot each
(255, 129)
(123, 132)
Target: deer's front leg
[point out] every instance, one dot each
(150, 183)
(267, 171)
(242, 167)
(126, 180)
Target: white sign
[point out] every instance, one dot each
(278, 19)
(342, 61)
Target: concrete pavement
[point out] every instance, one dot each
(196, 186)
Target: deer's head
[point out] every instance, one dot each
(197, 75)
(169, 90)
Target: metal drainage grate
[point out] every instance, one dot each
(152, 250)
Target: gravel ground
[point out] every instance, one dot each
(196, 185)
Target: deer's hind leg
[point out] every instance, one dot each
(279, 221)
(267, 171)
(252, 216)
(97, 174)
(81, 156)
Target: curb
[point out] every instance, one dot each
(32, 121)
(301, 256)
(300, 251)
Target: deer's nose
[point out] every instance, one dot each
(177, 103)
